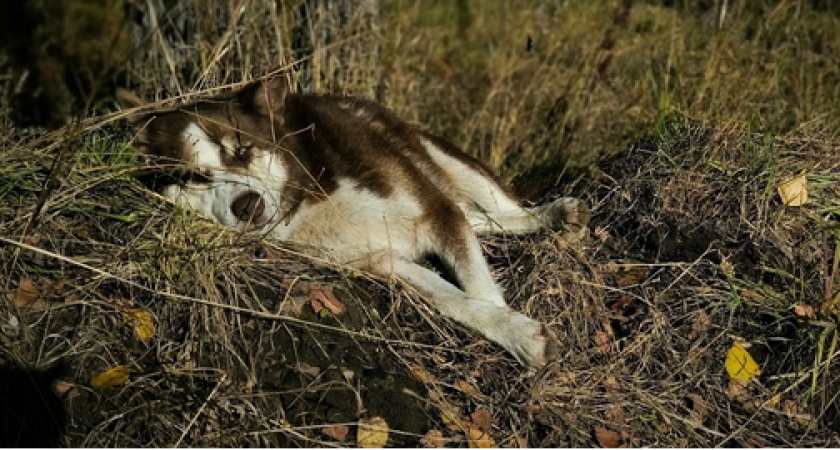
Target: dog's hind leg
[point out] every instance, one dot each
(563, 213)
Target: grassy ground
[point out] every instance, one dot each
(676, 123)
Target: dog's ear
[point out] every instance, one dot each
(266, 97)
(130, 100)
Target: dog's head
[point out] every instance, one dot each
(221, 157)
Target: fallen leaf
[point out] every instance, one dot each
(478, 438)
(794, 191)
(740, 365)
(804, 312)
(433, 439)
(737, 390)
(482, 419)
(372, 433)
(141, 321)
(607, 438)
(337, 432)
(63, 389)
(323, 297)
(113, 377)
(27, 293)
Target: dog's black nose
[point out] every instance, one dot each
(248, 207)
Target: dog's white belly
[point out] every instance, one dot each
(354, 224)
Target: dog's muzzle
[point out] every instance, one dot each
(250, 208)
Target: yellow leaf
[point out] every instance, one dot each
(142, 323)
(372, 433)
(115, 376)
(794, 191)
(433, 439)
(739, 364)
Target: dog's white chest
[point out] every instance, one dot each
(353, 222)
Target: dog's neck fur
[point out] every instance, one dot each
(353, 182)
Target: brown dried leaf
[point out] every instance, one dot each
(27, 293)
(63, 389)
(323, 297)
(433, 439)
(738, 390)
(479, 439)
(804, 312)
(482, 419)
(607, 438)
(337, 432)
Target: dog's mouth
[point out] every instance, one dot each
(249, 208)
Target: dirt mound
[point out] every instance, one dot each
(222, 345)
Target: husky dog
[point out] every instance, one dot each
(355, 184)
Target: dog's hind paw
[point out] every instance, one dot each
(523, 337)
(565, 212)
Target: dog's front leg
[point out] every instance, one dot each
(517, 333)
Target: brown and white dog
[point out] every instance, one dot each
(355, 184)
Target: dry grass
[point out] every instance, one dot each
(694, 117)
